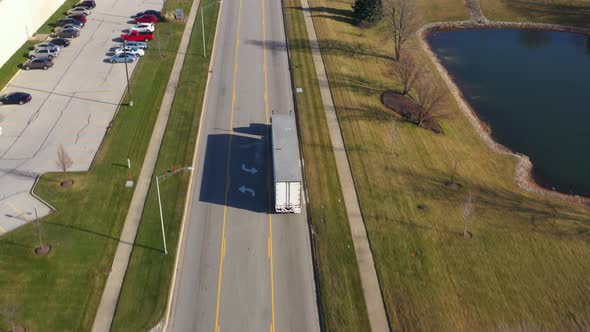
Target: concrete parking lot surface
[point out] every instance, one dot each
(73, 104)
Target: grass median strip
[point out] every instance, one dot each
(147, 282)
(527, 263)
(342, 298)
(61, 292)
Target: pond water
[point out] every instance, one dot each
(533, 89)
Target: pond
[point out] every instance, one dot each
(532, 88)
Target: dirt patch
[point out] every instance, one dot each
(408, 109)
(453, 185)
(18, 329)
(42, 251)
(66, 184)
(466, 236)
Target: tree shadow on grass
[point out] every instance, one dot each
(552, 12)
(544, 216)
(340, 15)
(102, 235)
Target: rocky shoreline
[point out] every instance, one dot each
(524, 176)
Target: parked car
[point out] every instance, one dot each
(38, 64)
(79, 17)
(123, 58)
(143, 27)
(44, 53)
(79, 10)
(64, 21)
(135, 35)
(63, 42)
(129, 50)
(146, 19)
(15, 98)
(137, 44)
(67, 26)
(68, 33)
(90, 4)
(46, 45)
(149, 12)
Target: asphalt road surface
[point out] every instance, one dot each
(243, 268)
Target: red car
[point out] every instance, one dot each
(146, 19)
(135, 35)
(79, 17)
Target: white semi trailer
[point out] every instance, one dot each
(286, 164)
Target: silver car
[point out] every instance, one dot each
(79, 10)
(47, 45)
(44, 53)
(63, 27)
(137, 44)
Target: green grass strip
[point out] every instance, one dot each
(61, 292)
(342, 300)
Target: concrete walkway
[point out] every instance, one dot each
(370, 283)
(110, 297)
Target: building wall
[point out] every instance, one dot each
(19, 19)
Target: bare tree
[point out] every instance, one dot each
(400, 19)
(408, 72)
(430, 97)
(64, 161)
(468, 212)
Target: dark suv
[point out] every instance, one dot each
(69, 20)
(90, 4)
(38, 64)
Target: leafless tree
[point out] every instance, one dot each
(64, 161)
(408, 72)
(431, 97)
(468, 212)
(401, 20)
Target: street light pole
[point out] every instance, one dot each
(164, 176)
(203, 26)
(127, 73)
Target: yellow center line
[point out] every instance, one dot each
(227, 181)
(270, 251)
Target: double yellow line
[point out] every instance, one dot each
(227, 188)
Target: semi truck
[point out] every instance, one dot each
(286, 164)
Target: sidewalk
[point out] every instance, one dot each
(110, 296)
(371, 290)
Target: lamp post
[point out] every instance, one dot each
(127, 73)
(203, 25)
(163, 177)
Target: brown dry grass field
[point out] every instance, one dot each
(527, 265)
(567, 12)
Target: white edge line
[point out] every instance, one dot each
(172, 294)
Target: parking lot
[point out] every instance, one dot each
(72, 105)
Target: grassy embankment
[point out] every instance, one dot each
(9, 69)
(341, 292)
(526, 266)
(566, 12)
(61, 292)
(147, 283)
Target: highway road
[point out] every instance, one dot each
(243, 268)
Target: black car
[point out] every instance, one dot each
(38, 64)
(90, 4)
(149, 12)
(68, 33)
(72, 21)
(63, 42)
(15, 98)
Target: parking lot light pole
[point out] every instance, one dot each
(127, 74)
(203, 25)
(163, 177)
